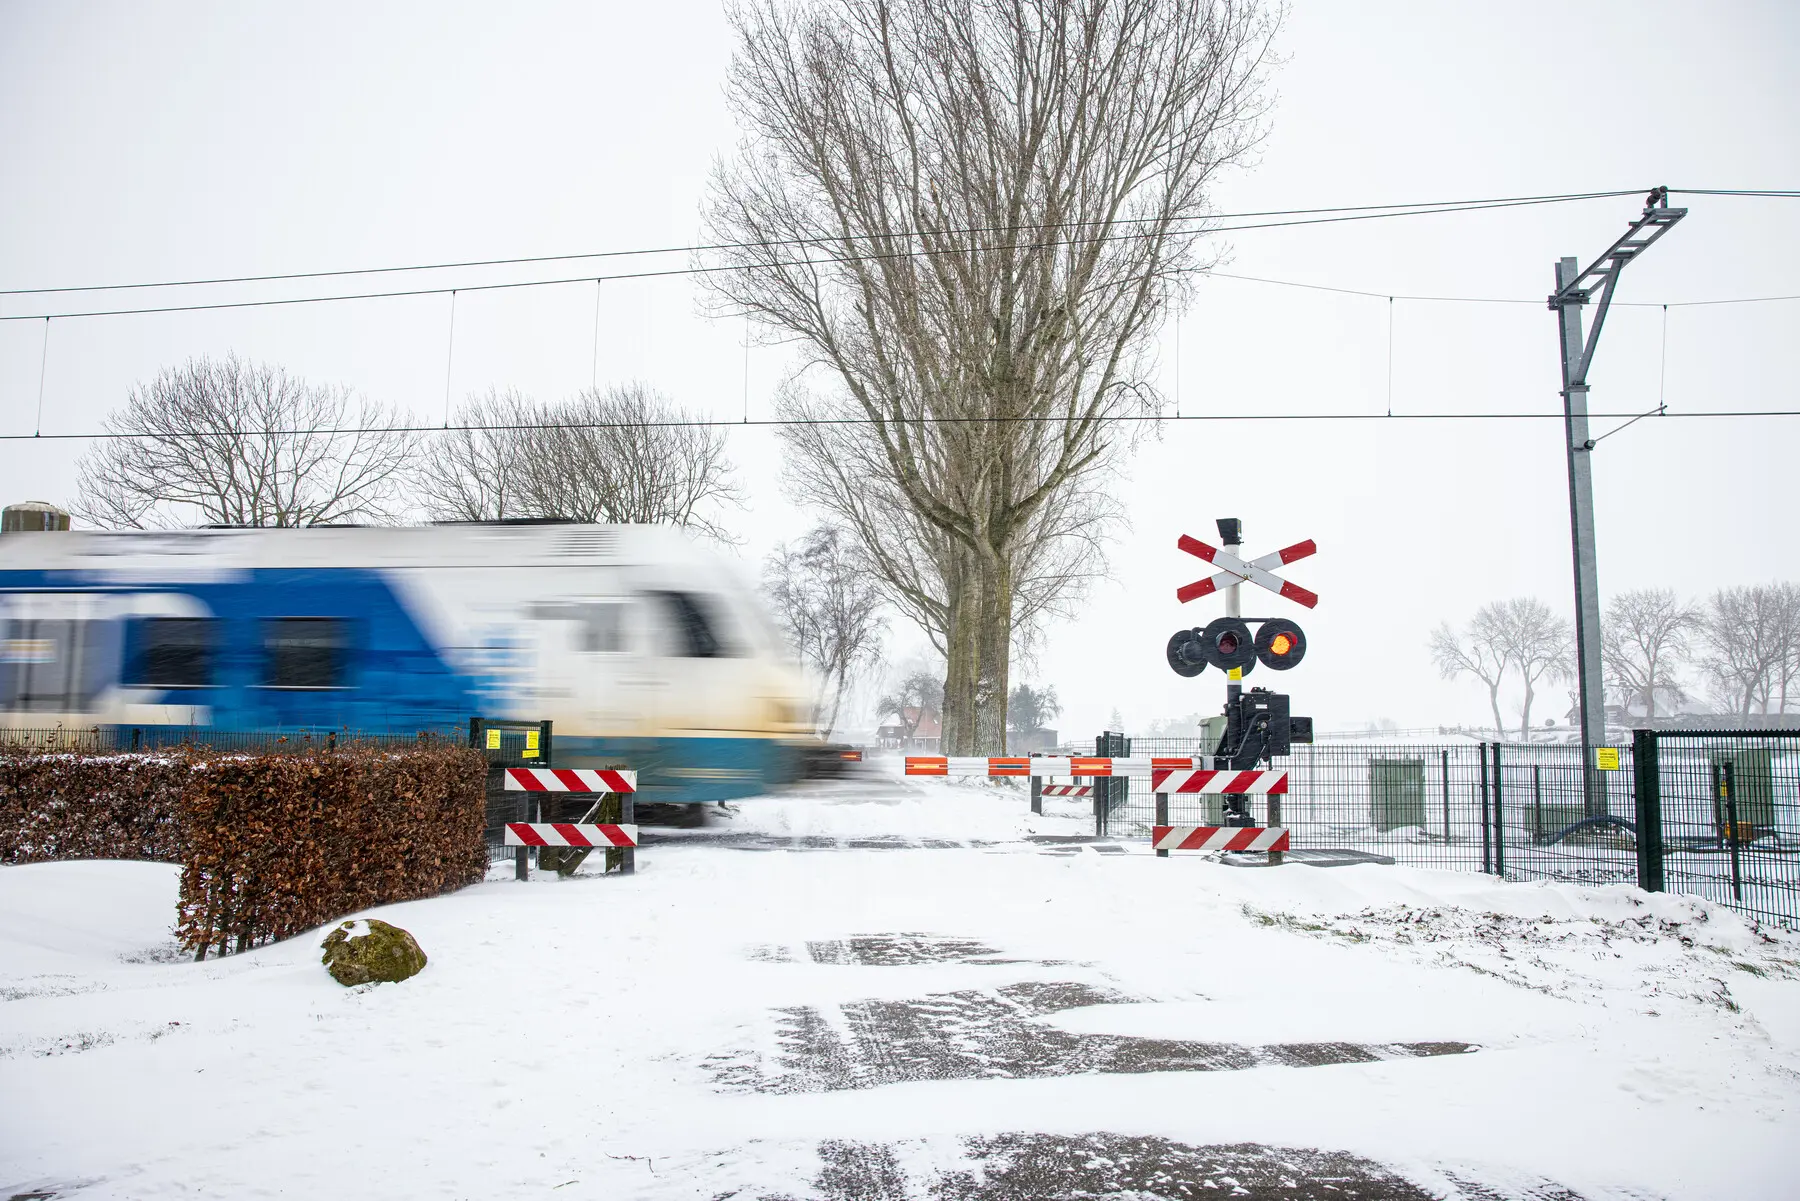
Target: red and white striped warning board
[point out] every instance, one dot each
(1066, 790)
(1219, 838)
(569, 834)
(1075, 766)
(568, 779)
(1234, 783)
(1234, 570)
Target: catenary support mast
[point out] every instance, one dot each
(1574, 289)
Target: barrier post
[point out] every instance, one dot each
(1162, 817)
(1275, 857)
(628, 816)
(1037, 792)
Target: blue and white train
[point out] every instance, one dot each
(640, 646)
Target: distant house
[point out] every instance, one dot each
(926, 735)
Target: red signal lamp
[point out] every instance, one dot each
(1280, 644)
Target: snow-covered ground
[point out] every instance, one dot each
(887, 989)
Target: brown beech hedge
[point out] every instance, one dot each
(270, 844)
(71, 805)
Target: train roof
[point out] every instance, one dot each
(460, 544)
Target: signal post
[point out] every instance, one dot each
(1258, 723)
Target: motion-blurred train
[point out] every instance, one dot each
(639, 645)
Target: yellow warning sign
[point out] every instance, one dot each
(1236, 673)
(493, 740)
(1606, 758)
(530, 753)
(531, 740)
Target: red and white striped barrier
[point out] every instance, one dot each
(1219, 838)
(1078, 767)
(1234, 783)
(1066, 790)
(569, 834)
(1183, 775)
(568, 779)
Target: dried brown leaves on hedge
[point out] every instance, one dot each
(74, 805)
(278, 844)
(271, 844)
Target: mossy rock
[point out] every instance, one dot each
(371, 950)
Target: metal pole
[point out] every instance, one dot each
(1731, 834)
(1578, 448)
(1537, 802)
(1446, 781)
(1574, 288)
(1499, 819)
(1647, 785)
(1162, 817)
(1275, 857)
(1231, 536)
(1487, 852)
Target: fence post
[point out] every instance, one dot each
(1537, 802)
(1499, 819)
(1487, 851)
(1037, 790)
(1162, 817)
(1647, 794)
(1731, 832)
(1446, 780)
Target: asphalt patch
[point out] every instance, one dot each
(891, 950)
(977, 1034)
(1054, 1167)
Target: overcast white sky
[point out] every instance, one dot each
(150, 142)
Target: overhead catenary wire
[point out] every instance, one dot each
(1426, 206)
(708, 423)
(727, 268)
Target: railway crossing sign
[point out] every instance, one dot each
(1234, 570)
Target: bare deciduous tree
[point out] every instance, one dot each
(1030, 709)
(846, 475)
(624, 455)
(476, 473)
(918, 695)
(1539, 644)
(227, 442)
(1481, 652)
(1645, 637)
(973, 215)
(1752, 634)
(830, 610)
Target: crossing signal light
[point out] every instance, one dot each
(1226, 643)
(1280, 644)
(1184, 653)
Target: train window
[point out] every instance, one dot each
(695, 636)
(603, 627)
(306, 652)
(55, 665)
(176, 652)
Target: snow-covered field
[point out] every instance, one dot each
(886, 989)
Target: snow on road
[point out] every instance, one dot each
(886, 989)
